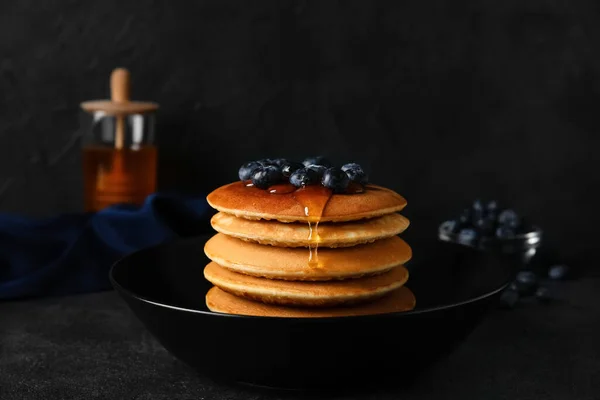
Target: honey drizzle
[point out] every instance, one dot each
(313, 200)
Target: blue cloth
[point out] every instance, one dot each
(73, 253)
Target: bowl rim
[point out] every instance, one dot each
(535, 234)
(122, 290)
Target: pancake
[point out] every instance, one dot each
(253, 203)
(292, 263)
(319, 294)
(217, 300)
(343, 234)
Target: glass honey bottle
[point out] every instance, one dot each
(119, 152)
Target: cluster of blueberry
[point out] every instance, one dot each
(312, 171)
(485, 221)
(528, 284)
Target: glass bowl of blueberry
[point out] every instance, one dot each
(488, 226)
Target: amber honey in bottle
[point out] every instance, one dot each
(119, 155)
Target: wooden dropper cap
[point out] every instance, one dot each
(120, 103)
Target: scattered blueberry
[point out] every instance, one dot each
(288, 168)
(302, 177)
(317, 171)
(449, 226)
(467, 236)
(247, 170)
(355, 173)
(319, 160)
(543, 294)
(509, 218)
(509, 298)
(558, 271)
(526, 281)
(336, 180)
(504, 232)
(266, 176)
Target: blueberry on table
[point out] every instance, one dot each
(317, 171)
(467, 236)
(247, 170)
(355, 173)
(302, 177)
(266, 176)
(558, 272)
(504, 232)
(290, 167)
(509, 218)
(526, 281)
(318, 160)
(336, 180)
(509, 298)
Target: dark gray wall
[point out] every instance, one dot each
(441, 100)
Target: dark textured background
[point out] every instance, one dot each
(440, 100)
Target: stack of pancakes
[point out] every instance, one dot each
(272, 257)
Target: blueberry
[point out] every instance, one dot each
(336, 180)
(526, 281)
(509, 298)
(247, 170)
(492, 207)
(509, 218)
(449, 226)
(355, 173)
(348, 166)
(465, 217)
(477, 206)
(302, 177)
(318, 160)
(316, 171)
(484, 226)
(467, 236)
(504, 232)
(543, 294)
(266, 176)
(558, 272)
(477, 210)
(290, 167)
(267, 161)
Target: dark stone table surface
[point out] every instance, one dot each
(92, 347)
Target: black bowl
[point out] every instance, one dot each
(454, 286)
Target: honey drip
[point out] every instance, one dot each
(313, 200)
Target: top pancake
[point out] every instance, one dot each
(253, 203)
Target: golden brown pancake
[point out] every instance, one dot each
(319, 294)
(217, 300)
(344, 234)
(253, 203)
(293, 263)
